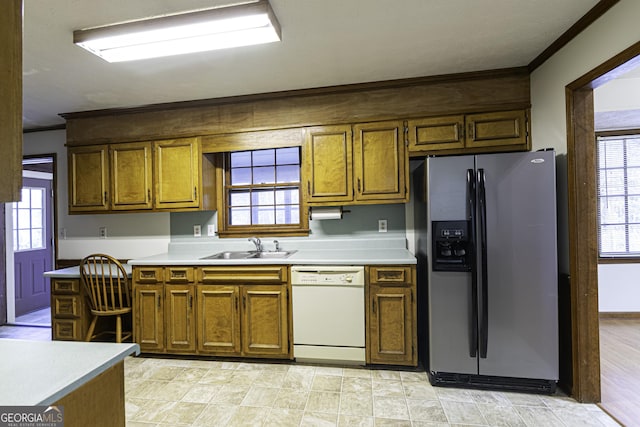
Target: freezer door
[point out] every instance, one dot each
(450, 308)
(521, 270)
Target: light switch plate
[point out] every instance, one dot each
(382, 226)
(211, 230)
(197, 231)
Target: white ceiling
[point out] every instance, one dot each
(324, 43)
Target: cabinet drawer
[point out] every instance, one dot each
(178, 274)
(227, 274)
(71, 286)
(66, 305)
(147, 274)
(391, 275)
(67, 329)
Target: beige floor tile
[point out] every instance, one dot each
(183, 413)
(390, 407)
(501, 416)
(419, 390)
(413, 376)
(323, 401)
(326, 383)
(191, 374)
(356, 372)
(489, 397)
(388, 422)
(289, 398)
(385, 375)
(576, 416)
(388, 388)
(280, 417)
(524, 399)
(357, 404)
(247, 416)
(215, 415)
(455, 394)
(152, 411)
(216, 376)
(201, 393)
(244, 377)
(329, 370)
(231, 394)
(172, 391)
(300, 379)
(354, 421)
(426, 410)
(146, 389)
(315, 419)
(260, 396)
(463, 413)
(538, 416)
(270, 378)
(357, 385)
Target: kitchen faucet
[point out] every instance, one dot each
(256, 241)
(275, 242)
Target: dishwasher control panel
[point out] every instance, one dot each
(327, 275)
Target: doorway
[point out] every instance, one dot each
(583, 240)
(30, 245)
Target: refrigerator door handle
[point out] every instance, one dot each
(484, 310)
(473, 318)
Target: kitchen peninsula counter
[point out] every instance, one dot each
(87, 379)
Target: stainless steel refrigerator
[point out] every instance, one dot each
(490, 271)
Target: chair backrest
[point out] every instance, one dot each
(106, 283)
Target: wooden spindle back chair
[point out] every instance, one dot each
(107, 287)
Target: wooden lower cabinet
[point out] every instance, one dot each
(69, 310)
(214, 315)
(391, 316)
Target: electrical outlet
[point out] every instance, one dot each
(211, 230)
(102, 232)
(197, 231)
(382, 226)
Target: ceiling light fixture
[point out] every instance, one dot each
(199, 31)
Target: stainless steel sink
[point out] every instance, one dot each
(249, 254)
(271, 254)
(230, 255)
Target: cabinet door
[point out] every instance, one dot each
(390, 325)
(131, 175)
(218, 317)
(265, 320)
(380, 161)
(149, 317)
(88, 178)
(177, 168)
(328, 164)
(497, 129)
(180, 322)
(436, 133)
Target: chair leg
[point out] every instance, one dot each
(118, 329)
(92, 326)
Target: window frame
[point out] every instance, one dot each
(225, 229)
(613, 258)
(43, 218)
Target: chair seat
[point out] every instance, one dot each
(111, 312)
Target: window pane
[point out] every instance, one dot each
(24, 219)
(36, 218)
(24, 239)
(36, 197)
(240, 198)
(612, 210)
(612, 238)
(241, 158)
(288, 156)
(288, 173)
(611, 153)
(633, 208)
(239, 216)
(287, 196)
(262, 197)
(634, 238)
(633, 152)
(25, 200)
(633, 180)
(612, 182)
(241, 176)
(37, 239)
(287, 214)
(264, 175)
(263, 215)
(264, 158)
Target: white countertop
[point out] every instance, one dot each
(42, 372)
(74, 272)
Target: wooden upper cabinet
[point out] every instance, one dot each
(436, 133)
(497, 129)
(131, 172)
(177, 168)
(471, 133)
(380, 161)
(88, 178)
(328, 164)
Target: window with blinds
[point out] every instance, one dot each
(619, 195)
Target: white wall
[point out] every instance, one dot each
(612, 33)
(128, 235)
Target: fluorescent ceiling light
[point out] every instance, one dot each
(199, 31)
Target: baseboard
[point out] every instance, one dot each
(619, 315)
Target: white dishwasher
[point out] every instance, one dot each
(328, 313)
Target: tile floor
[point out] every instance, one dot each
(164, 392)
(178, 392)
